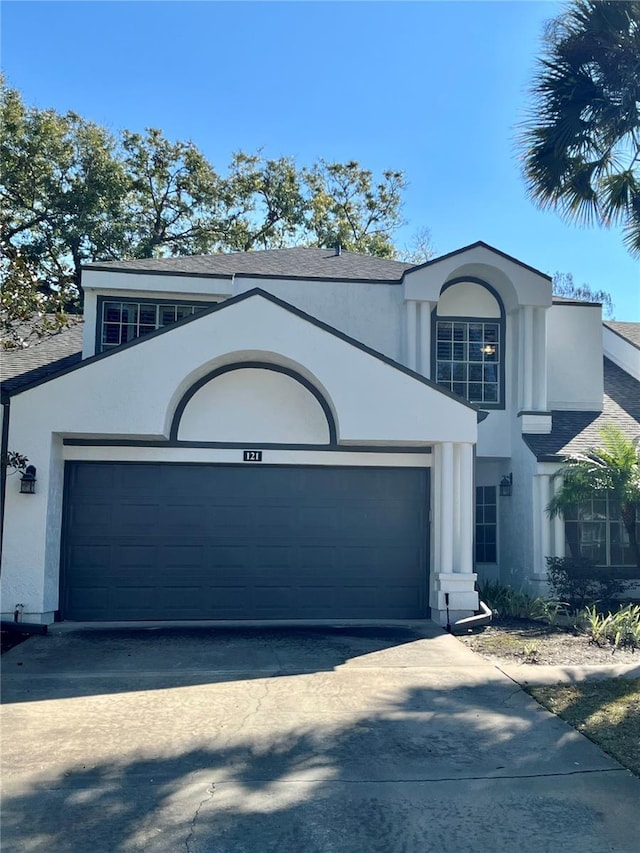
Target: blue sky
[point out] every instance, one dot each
(435, 89)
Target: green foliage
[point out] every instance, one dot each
(61, 191)
(171, 199)
(506, 602)
(613, 470)
(348, 208)
(579, 582)
(581, 141)
(618, 628)
(531, 651)
(16, 460)
(72, 193)
(548, 609)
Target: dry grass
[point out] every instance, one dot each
(607, 712)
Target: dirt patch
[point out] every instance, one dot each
(523, 641)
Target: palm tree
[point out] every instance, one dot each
(611, 470)
(581, 141)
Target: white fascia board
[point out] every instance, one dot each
(146, 283)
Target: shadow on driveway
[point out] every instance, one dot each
(471, 769)
(66, 664)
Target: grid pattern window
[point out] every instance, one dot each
(125, 321)
(468, 359)
(486, 524)
(594, 529)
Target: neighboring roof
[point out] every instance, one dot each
(629, 331)
(297, 262)
(575, 432)
(43, 358)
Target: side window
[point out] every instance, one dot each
(486, 524)
(594, 529)
(120, 321)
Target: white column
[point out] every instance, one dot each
(436, 502)
(457, 497)
(412, 321)
(540, 359)
(425, 339)
(446, 509)
(527, 367)
(467, 492)
(545, 524)
(558, 525)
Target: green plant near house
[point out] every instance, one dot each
(620, 628)
(580, 583)
(611, 470)
(507, 602)
(548, 610)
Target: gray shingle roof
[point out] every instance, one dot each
(297, 262)
(574, 432)
(42, 358)
(628, 331)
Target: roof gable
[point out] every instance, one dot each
(133, 391)
(479, 244)
(221, 306)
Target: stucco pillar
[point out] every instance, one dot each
(453, 592)
(425, 339)
(411, 336)
(540, 360)
(457, 497)
(527, 360)
(465, 503)
(446, 507)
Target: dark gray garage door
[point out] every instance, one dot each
(173, 541)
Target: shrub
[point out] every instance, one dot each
(621, 628)
(581, 583)
(505, 601)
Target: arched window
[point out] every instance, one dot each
(468, 336)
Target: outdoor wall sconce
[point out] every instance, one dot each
(28, 481)
(506, 484)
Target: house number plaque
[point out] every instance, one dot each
(252, 456)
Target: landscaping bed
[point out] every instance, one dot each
(508, 640)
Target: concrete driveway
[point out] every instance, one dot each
(296, 740)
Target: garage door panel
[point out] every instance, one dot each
(173, 541)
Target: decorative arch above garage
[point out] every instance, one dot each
(255, 402)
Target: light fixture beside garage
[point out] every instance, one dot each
(506, 485)
(28, 481)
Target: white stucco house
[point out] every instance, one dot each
(304, 434)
